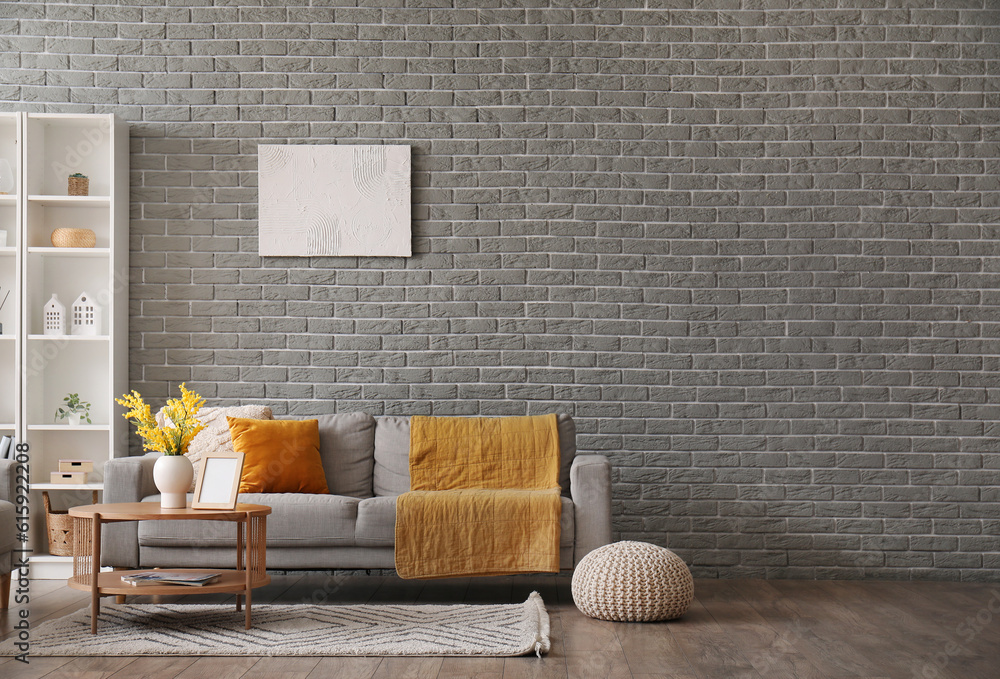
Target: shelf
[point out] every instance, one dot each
(48, 567)
(95, 485)
(230, 581)
(8, 250)
(66, 427)
(71, 201)
(7, 338)
(70, 252)
(4, 426)
(8, 200)
(67, 338)
(48, 558)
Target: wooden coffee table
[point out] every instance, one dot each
(250, 561)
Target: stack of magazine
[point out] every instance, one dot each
(169, 578)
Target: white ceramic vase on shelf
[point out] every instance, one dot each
(172, 475)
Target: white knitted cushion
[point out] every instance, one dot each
(632, 582)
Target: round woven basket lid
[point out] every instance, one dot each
(632, 582)
(74, 238)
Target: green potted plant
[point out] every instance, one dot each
(74, 410)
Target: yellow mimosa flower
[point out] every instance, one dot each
(180, 427)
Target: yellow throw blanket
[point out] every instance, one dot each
(484, 498)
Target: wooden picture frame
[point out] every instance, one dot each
(218, 481)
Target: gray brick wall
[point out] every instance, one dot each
(751, 245)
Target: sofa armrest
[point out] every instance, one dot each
(126, 479)
(8, 475)
(590, 489)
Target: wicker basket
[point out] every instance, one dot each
(79, 186)
(74, 238)
(60, 527)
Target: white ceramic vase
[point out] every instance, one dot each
(172, 475)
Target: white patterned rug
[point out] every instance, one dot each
(298, 630)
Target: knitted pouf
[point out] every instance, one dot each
(632, 582)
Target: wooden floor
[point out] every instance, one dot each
(734, 629)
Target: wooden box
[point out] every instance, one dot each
(68, 477)
(76, 466)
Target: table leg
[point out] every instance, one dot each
(120, 598)
(95, 591)
(249, 570)
(4, 591)
(239, 557)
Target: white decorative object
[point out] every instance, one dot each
(86, 316)
(172, 475)
(632, 582)
(54, 317)
(334, 200)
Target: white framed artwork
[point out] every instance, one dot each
(334, 200)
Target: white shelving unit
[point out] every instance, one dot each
(48, 148)
(10, 277)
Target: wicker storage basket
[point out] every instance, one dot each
(74, 238)
(60, 528)
(79, 186)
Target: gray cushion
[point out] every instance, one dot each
(347, 447)
(392, 454)
(296, 520)
(567, 449)
(376, 525)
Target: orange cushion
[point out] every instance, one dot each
(279, 456)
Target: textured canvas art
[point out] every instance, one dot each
(334, 200)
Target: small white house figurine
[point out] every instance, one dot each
(86, 316)
(55, 317)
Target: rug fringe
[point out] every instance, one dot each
(535, 604)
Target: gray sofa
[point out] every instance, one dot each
(366, 463)
(8, 530)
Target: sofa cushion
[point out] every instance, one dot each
(392, 454)
(347, 449)
(279, 456)
(376, 525)
(296, 520)
(567, 449)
